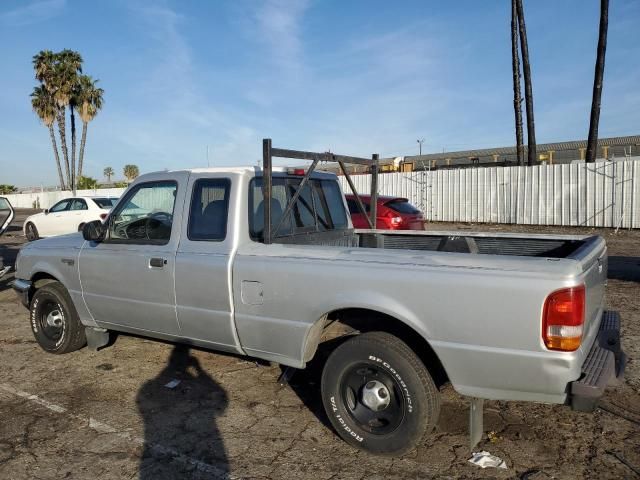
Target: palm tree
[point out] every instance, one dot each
(88, 101)
(57, 72)
(131, 171)
(44, 64)
(67, 68)
(528, 91)
(517, 96)
(44, 106)
(592, 141)
(87, 183)
(60, 77)
(108, 173)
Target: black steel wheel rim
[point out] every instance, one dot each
(376, 421)
(51, 320)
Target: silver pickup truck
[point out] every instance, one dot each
(181, 257)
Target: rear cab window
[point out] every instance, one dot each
(318, 208)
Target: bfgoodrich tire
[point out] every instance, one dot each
(378, 394)
(54, 321)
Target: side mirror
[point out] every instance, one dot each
(94, 231)
(46, 211)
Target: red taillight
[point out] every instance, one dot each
(396, 221)
(295, 171)
(563, 319)
(103, 216)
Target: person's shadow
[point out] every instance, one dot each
(181, 439)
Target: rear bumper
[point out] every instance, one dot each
(603, 366)
(22, 288)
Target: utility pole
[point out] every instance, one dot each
(517, 97)
(528, 90)
(420, 142)
(594, 119)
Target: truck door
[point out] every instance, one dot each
(128, 279)
(6, 214)
(203, 264)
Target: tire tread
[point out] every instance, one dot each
(76, 335)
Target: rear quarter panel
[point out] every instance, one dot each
(480, 313)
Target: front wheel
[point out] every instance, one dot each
(54, 320)
(31, 232)
(378, 394)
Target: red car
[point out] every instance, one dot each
(394, 213)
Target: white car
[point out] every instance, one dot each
(67, 216)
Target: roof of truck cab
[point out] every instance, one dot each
(248, 169)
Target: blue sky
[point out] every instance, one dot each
(354, 77)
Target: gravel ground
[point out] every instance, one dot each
(109, 414)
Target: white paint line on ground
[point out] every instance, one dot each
(101, 427)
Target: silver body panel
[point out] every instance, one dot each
(481, 314)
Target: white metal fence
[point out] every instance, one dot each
(47, 199)
(602, 194)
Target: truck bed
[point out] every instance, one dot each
(528, 245)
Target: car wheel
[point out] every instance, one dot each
(54, 320)
(378, 394)
(80, 227)
(31, 232)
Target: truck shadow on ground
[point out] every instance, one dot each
(306, 383)
(179, 408)
(624, 268)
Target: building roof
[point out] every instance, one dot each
(541, 147)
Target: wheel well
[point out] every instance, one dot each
(362, 320)
(39, 280)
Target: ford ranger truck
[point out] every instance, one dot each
(181, 257)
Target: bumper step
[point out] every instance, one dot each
(604, 365)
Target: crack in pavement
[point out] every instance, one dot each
(101, 427)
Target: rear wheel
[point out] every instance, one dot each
(378, 394)
(54, 320)
(31, 232)
(80, 227)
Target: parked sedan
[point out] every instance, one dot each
(394, 213)
(67, 216)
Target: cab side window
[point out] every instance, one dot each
(145, 216)
(209, 210)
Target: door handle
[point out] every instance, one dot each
(157, 262)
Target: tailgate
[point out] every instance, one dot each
(593, 257)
